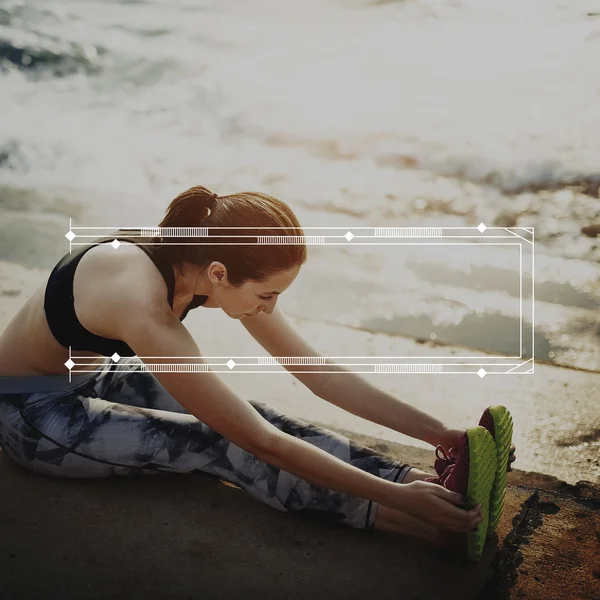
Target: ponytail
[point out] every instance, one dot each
(247, 214)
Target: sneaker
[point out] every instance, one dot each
(471, 475)
(498, 421)
(444, 461)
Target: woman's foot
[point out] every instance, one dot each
(498, 421)
(472, 475)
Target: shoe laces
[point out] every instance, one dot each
(443, 461)
(444, 456)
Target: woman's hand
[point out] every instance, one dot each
(451, 438)
(435, 505)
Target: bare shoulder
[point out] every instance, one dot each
(111, 286)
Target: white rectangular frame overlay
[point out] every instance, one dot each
(229, 364)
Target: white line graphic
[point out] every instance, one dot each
(337, 236)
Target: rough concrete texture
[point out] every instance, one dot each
(550, 548)
(166, 536)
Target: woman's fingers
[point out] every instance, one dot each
(511, 457)
(458, 519)
(463, 520)
(476, 516)
(452, 497)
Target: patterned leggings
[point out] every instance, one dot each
(124, 422)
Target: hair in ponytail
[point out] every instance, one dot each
(245, 214)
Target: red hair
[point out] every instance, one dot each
(235, 215)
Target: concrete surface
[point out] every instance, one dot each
(166, 536)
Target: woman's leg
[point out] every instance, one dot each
(81, 435)
(137, 387)
(128, 382)
(134, 386)
(140, 388)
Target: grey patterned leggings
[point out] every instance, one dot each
(125, 422)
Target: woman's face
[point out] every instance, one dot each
(252, 297)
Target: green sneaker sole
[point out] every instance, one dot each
(503, 430)
(482, 471)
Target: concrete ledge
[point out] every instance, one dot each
(171, 536)
(550, 547)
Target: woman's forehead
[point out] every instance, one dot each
(279, 281)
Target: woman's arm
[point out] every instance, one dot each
(340, 387)
(356, 395)
(352, 393)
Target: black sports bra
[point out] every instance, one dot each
(60, 309)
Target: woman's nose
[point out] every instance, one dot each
(269, 308)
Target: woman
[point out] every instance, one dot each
(132, 302)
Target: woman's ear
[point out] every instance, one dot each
(218, 270)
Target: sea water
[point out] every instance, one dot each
(357, 114)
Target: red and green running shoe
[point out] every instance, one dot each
(498, 421)
(472, 475)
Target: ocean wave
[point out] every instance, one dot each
(511, 179)
(528, 177)
(41, 55)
